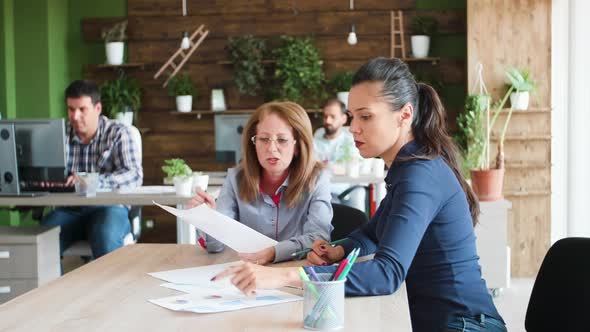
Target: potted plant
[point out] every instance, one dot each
(523, 84)
(486, 179)
(246, 54)
(340, 83)
(121, 99)
(114, 38)
(182, 87)
(298, 69)
(423, 27)
(180, 174)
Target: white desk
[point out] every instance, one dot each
(184, 233)
(111, 293)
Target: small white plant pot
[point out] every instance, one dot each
(114, 52)
(183, 186)
(519, 100)
(420, 46)
(366, 166)
(343, 97)
(184, 103)
(125, 118)
(353, 168)
(200, 181)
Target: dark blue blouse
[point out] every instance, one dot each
(422, 233)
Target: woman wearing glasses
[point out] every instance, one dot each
(279, 189)
(422, 232)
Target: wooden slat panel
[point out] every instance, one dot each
(179, 145)
(526, 233)
(518, 33)
(202, 7)
(526, 180)
(319, 24)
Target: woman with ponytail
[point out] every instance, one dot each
(422, 232)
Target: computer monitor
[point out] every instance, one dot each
(228, 136)
(35, 148)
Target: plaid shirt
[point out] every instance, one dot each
(111, 152)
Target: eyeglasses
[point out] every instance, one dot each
(265, 141)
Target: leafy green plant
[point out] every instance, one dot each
(246, 54)
(424, 25)
(181, 85)
(340, 81)
(520, 79)
(471, 137)
(116, 33)
(176, 167)
(120, 95)
(298, 69)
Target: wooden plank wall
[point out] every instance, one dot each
(518, 33)
(155, 29)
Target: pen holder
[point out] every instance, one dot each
(323, 303)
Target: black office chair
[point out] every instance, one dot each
(342, 197)
(346, 219)
(560, 300)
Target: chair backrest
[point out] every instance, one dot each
(560, 299)
(346, 219)
(136, 136)
(135, 211)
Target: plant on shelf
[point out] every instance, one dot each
(340, 84)
(246, 54)
(423, 27)
(298, 70)
(179, 173)
(523, 84)
(114, 38)
(476, 126)
(121, 99)
(183, 88)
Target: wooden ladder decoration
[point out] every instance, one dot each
(171, 64)
(399, 42)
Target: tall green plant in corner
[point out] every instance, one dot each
(246, 54)
(298, 70)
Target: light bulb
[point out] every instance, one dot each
(352, 40)
(186, 43)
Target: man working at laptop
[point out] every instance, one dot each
(96, 144)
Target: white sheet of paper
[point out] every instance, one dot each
(232, 233)
(208, 301)
(197, 276)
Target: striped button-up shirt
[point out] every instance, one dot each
(112, 152)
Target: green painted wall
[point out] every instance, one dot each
(79, 51)
(7, 89)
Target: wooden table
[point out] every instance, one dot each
(111, 293)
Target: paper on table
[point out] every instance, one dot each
(197, 276)
(233, 234)
(207, 301)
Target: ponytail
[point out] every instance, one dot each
(429, 129)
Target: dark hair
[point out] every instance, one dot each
(429, 122)
(337, 102)
(83, 88)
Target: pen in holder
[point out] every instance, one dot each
(321, 297)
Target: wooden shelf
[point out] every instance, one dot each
(526, 165)
(530, 110)
(121, 66)
(144, 131)
(200, 113)
(528, 193)
(434, 61)
(523, 138)
(227, 62)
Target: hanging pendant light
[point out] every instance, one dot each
(352, 39)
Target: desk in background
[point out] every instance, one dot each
(111, 293)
